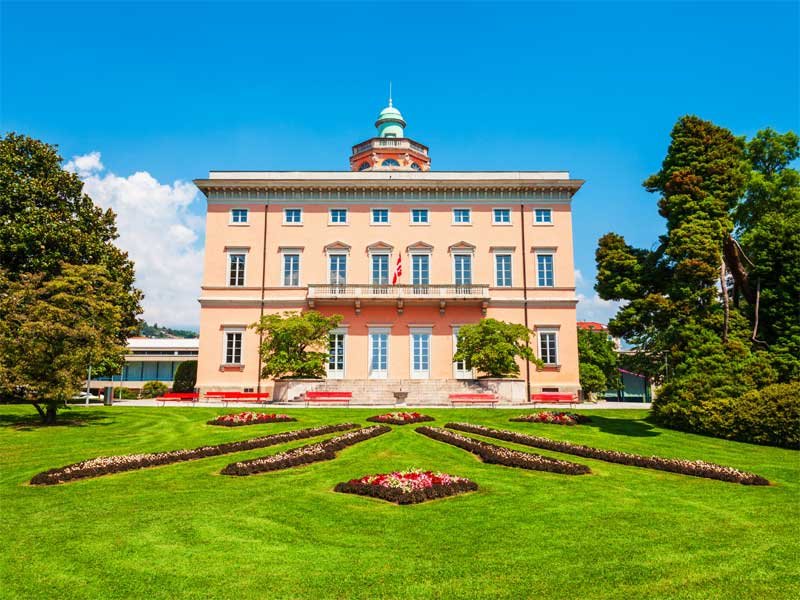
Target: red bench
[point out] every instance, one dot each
(553, 398)
(473, 399)
(225, 397)
(330, 397)
(178, 397)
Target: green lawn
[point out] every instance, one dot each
(186, 531)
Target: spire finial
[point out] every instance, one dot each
(390, 93)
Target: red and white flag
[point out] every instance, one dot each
(398, 269)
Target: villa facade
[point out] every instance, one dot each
(405, 254)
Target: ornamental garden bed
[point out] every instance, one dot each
(249, 418)
(407, 487)
(106, 465)
(493, 454)
(304, 455)
(695, 468)
(400, 418)
(552, 418)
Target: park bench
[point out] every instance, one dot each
(490, 399)
(553, 398)
(178, 397)
(328, 397)
(225, 397)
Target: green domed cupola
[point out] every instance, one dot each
(390, 122)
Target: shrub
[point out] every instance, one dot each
(185, 377)
(105, 465)
(493, 454)
(304, 454)
(123, 393)
(154, 389)
(696, 468)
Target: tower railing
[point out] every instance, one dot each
(399, 143)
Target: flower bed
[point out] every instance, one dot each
(696, 468)
(553, 418)
(400, 418)
(408, 487)
(304, 454)
(105, 465)
(250, 418)
(492, 454)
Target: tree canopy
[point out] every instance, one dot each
(598, 362)
(492, 347)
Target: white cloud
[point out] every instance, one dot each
(591, 307)
(159, 233)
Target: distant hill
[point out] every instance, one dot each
(154, 331)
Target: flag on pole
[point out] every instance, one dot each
(398, 269)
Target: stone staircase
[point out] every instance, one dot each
(428, 392)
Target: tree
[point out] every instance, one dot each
(185, 377)
(295, 344)
(492, 347)
(599, 362)
(52, 329)
(46, 221)
(154, 389)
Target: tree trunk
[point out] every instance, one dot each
(735, 264)
(52, 408)
(40, 411)
(725, 301)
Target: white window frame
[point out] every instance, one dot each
(459, 373)
(372, 220)
(502, 223)
(228, 330)
(469, 216)
(537, 223)
(421, 374)
(411, 256)
(544, 252)
(291, 252)
(338, 223)
(510, 256)
(292, 223)
(244, 223)
(331, 254)
(229, 254)
(471, 255)
(388, 255)
(378, 374)
(425, 223)
(547, 330)
(336, 373)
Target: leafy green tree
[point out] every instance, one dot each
(154, 389)
(47, 221)
(52, 329)
(185, 377)
(492, 347)
(295, 344)
(598, 361)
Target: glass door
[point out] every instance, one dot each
(462, 268)
(337, 272)
(420, 354)
(420, 273)
(378, 354)
(336, 356)
(460, 370)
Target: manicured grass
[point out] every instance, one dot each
(185, 531)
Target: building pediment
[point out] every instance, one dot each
(420, 246)
(462, 245)
(380, 246)
(337, 246)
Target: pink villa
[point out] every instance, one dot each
(405, 254)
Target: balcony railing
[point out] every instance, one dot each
(400, 143)
(398, 292)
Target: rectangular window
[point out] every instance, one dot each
(420, 354)
(336, 355)
(292, 216)
(233, 347)
(291, 270)
(542, 216)
(380, 216)
(502, 270)
(544, 270)
(338, 269)
(378, 354)
(380, 269)
(461, 216)
(239, 216)
(338, 216)
(419, 216)
(462, 269)
(236, 266)
(548, 347)
(501, 216)
(420, 269)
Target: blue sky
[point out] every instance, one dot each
(171, 90)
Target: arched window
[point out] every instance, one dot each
(363, 166)
(415, 166)
(390, 162)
